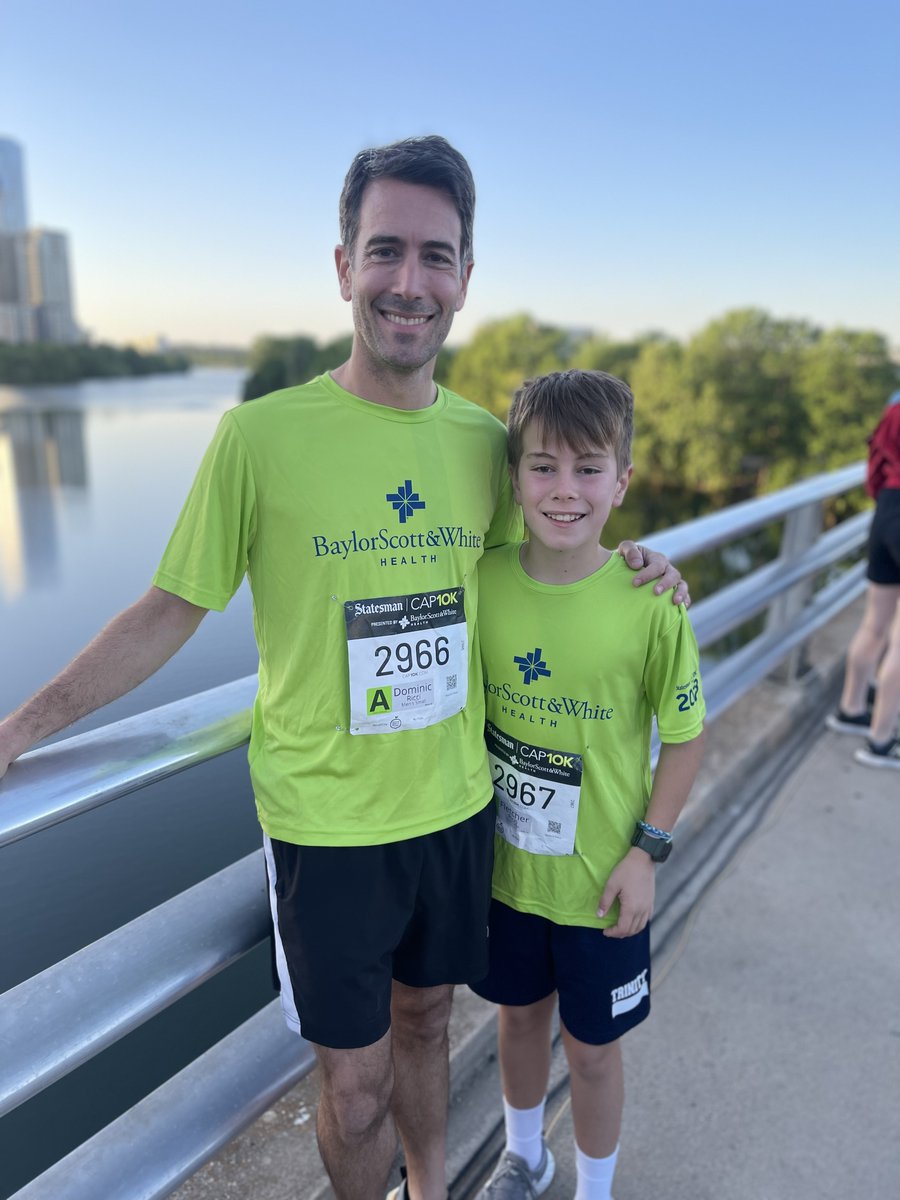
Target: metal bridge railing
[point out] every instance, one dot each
(54, 1022)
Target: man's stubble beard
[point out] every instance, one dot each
(386, 358)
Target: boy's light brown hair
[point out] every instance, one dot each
(580, 409)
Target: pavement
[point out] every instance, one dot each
(770, 1066)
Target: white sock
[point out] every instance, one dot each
(524, 1131)
(595, 1175)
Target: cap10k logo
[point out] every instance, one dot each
(532, 665)
(405, 501)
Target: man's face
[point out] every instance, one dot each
(404, 278)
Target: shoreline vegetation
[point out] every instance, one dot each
(42, 362)
(749, 404)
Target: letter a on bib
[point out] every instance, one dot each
(378, 699)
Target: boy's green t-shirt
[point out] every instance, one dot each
(573, 677)
(360, 528)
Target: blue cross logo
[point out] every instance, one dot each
(405, 501)
(532, 665)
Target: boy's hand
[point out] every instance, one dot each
(633, 883)
(652, 565)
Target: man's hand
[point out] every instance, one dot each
(10, 746)
(633, 883)
(652, 565)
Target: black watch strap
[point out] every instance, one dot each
(659, 848)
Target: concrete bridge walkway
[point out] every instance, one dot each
(770, 1066)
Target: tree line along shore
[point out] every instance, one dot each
(750, 403)
(42, 362)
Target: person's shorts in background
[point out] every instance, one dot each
(603, 983)
(884, 539)
(350, 919)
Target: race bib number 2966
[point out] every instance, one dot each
(408, 658)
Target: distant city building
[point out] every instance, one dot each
(35, 276)
(13, 211)
(49, 285)
(18, 321)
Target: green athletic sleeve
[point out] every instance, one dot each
(208, 552)
(672, 682)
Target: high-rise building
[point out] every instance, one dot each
(13, 210)
(35, 278)
(18, 320)
(49, 285)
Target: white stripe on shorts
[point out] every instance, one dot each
(288, 1005)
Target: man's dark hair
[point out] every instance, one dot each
(429, 161)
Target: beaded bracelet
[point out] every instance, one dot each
(654, 832)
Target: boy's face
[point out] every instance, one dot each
(566, 497)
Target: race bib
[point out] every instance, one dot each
(409, 660)
(537, 792)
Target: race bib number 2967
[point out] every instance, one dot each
(538, 793)
(408, 658)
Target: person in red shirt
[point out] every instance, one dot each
(878, 636)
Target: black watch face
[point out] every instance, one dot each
(661, 850)
(658, 849)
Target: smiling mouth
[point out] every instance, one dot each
(566, 518)
(396, 319)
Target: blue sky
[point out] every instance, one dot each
(639, 166)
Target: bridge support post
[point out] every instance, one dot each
(801, 530)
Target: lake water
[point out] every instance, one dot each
(92, 477)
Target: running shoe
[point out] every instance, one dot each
(840, 722)
(513, 1179)
(885, 755)
(401, 1192)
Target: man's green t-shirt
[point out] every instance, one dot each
(360, 528)
(573, 677)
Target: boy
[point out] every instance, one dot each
(574, 671)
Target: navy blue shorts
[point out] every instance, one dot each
(350, 919)
(884, 539)
(603, 983)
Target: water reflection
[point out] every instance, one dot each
(41, 451)
(91, 480)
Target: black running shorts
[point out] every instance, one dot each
(884, 539)
(603, 983)
(350, 919)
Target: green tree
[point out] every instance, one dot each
(742, 371)
(490, 367)
(599, 353)
(278, 363)
(51, 363)
(844, 379)
(665, 414)
(332, 354)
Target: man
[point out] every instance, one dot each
(359, 505)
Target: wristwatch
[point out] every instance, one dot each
(657, 844)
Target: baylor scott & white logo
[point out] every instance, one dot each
(385, 543)
(405, 501)
(531, 665)
(535, 707)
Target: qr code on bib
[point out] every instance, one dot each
(451, 683)
(554, 827)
